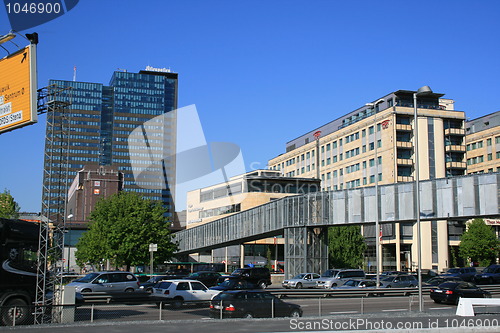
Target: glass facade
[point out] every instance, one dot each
(99, 132)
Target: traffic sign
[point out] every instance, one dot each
(18, 86)
(153, 247)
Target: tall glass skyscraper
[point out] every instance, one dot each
(113, 126)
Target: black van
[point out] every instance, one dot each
(257, 275)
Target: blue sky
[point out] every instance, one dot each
(262, 73)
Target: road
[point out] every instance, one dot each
(312, 307)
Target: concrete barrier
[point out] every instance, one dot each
(465, 306)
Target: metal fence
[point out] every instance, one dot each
(317, 303)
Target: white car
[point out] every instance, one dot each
(179, 292)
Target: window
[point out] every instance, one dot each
(379, 126)
(335, 159)
(372, 179)
(340, 142)
(379, 160)
(490, 157)
(334, 144)
(370, 130)
(328, 161)
(372, 146)
(372, 162)
(328, 147)
(379, 143)
(488, 142)
(363, 133)
(364, 164)
(363, 149)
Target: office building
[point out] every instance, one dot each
(112, 126)
(375, 143)
(483, 144)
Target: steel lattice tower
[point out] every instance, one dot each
(54, 101)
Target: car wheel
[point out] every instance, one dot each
(129, 290)
(86, 290)
(299, 285)
(334, 285)
(177, 302)
(263, 285)
(248, 315)
(149, 290)
(15, 312)
(295, 313)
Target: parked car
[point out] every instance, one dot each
(436, 281)
(179, 292)
(302, 280)
(108, 282)
(258, 275)
(465, 273)
(358, 284)
(250, 304)
(208, 278)
(332, 278)
(235, 283)
(149, 284)
(491, 274)
(398, 281)
(450, 292)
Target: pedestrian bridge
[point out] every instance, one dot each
(303, 219)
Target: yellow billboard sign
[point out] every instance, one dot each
(18, 88)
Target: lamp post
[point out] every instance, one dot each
(377, 225)
(425, 90)
(69, 217)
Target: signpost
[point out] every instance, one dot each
(152, 248)
(18, 89)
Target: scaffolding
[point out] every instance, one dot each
(55, 102)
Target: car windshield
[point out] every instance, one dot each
(88, 278)
(447, 285)
(155, 279)
(453, 270)
(329, 273)
(489, 270)
(229, 283)
(238, 271)
(298, 277)
(351, 283)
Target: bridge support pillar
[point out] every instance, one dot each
(306, 250)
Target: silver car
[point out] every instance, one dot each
(302, 280)
(107, 282)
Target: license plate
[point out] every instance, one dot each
(217, 307)
(438, 291)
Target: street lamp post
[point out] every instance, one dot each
(425, 90)
(377, 225)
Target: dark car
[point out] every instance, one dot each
(258, 275)
(450, 292)
(465, 273)
(235, 283)
(207, 277)
(149, 284)
(491, 274)
(398, 281)
(250, 304)
(436, 281)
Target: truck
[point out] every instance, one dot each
(18, 270)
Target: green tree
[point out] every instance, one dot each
(346, 246)
(9, 209)
(121, 228)
(479, 243)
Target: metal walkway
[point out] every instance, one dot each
(303, 219)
